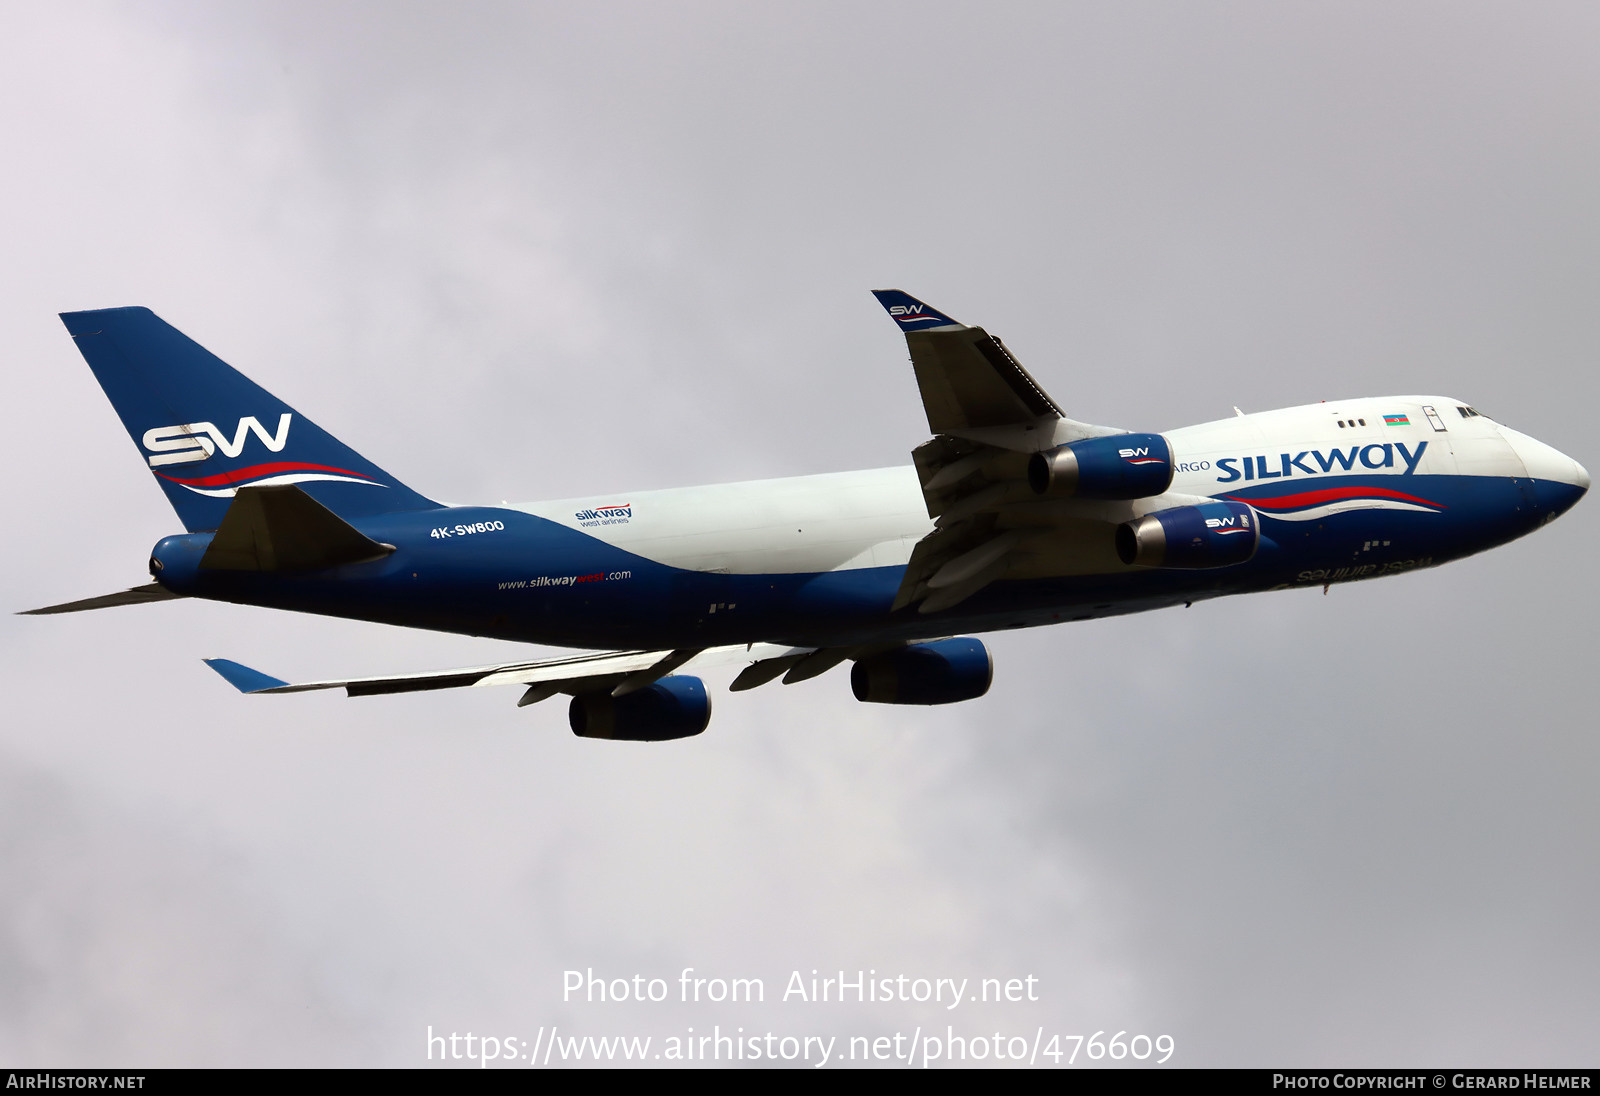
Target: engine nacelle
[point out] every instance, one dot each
(674, 707)
(1213, 534)
(941, 672)
(1125, 466)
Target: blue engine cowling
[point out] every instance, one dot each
(674, 707)
(941, 672)
(1214, 534)
(1125, 466)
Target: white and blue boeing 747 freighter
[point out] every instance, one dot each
(1012, 515)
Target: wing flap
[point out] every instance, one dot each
(967, 377)
(970, 380)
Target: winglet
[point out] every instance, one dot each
(910, 313)
(244, 678)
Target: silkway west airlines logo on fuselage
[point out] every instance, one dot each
(1311, 462)
(619, 513)
(1316, 503)
(198, 441)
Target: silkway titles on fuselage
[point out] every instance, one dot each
(1315, 462)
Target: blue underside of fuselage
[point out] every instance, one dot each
(540, 582)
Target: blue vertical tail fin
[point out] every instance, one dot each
(205, 430)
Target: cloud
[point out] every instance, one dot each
(127, 942)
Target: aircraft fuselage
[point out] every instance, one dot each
(1345, 491)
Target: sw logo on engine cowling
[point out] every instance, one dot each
(1231, 524)
(1139, 456)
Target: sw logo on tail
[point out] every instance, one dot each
(197, 441)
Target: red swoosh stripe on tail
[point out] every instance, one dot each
(255, 471)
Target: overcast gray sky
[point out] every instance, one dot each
(535, 250)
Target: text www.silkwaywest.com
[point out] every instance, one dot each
(564, 580)
(550, 1047)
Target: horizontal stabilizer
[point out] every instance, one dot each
(243, 678)
(282, 528)
(153, 591)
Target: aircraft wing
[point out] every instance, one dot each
(988, 417)
(618, 672)
(968, 378)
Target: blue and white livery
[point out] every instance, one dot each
(1011, 515)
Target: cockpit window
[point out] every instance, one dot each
(1469, 412)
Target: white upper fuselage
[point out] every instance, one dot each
(847, 520)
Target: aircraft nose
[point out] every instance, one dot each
(1558, 480)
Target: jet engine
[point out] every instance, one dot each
(939, 672)
(674, 707)
(1124, 466)
(1213, 534)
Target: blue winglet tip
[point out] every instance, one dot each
(243, 678)
(910, 313)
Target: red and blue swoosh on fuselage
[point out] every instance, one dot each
(274, 473)
(1320, 502)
